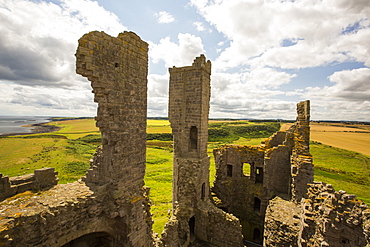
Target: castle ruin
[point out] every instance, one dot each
(262, 195)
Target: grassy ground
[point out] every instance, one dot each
(158, 177)
(344, 169)
(70, 149)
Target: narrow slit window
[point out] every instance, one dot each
(229, 170)
(203, 191)
(193, 137)
(259, 175)
(257, 204)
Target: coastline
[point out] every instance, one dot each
(36, 129)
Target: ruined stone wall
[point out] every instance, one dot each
(278, 171)
(325, 218)
(239, 191)
(41, 179)
(282, 223)
(302, 168)
(282, 166)
(112, 208)
(333, 218)
(50, 218)
(117, 69)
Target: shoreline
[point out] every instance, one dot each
(38, 128)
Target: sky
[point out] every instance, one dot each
(267, 55)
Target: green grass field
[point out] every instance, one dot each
(70, 149)
(344, 169)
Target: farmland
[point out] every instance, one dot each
(351, 137)
(340, 154)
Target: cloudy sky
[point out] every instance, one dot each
(266, 55)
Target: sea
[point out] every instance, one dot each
(13, 124)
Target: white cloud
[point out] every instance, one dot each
(164, 17)
(37, 46)
(352, 85)
(199, 26)
(27, 100)
(347, 99)
(257, 29)
(181, 54)
(158, 95)
(250, 94)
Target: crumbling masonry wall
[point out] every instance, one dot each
(324, 218)
(282, 166)
(44, 178)
(111, 207)
(118, 69)
(195, 219)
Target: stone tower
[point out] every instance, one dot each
(195, 219)
(188, 114)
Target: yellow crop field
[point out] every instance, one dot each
(351, 137)
(152, 122)
(158, 126)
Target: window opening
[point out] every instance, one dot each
(344, 240)
(192, 228)
(257, 204)
(193, 137)
(259, 175)
(203, 191)
(247, 169)
(96, 239)
(256, 235)
(229, 170)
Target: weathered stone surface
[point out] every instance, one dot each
(282, 223)
(280, 167)
(117, 69)
(325, 218)
(195, 219)
(49, 218)
(41, 179)
(113, 208)
(333, 218)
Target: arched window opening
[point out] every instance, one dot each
(257, 204)
(193, 137)
(229, 170)
(96, 239)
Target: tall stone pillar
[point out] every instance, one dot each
(188, 113)
(301, 159)
(195, 218)
(118, 69)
